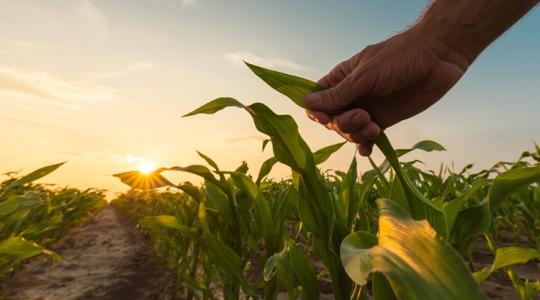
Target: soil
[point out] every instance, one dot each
(105, 258)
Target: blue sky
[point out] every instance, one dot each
(102, 84)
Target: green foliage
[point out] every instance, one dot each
(401, 254)
(33, 216)
(255, 237)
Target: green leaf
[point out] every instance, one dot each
(348, 194)
(323, 154)
(417, 263)
(507, 182)
(208, 160)
(453, 208)
(205, 173)
(426, 145)
(381, 288)
(420, 208)
(225, 258)
(215, 106)
(263, 213)
(304, 272)
(295, 88)
(280, 264)
(166, 221)
(33, 176)
(266, 167)
(471, 221)
(505, 257)
(190, 189)
(19, 248)
(291, 86)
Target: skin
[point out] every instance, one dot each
(399, 78)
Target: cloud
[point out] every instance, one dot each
(138, 66)
(172, 3)
(54, 89)
(127, 159)
(271, 61)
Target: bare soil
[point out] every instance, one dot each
(106, 258)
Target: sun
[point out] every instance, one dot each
(146, 167)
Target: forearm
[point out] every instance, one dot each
(469, 26)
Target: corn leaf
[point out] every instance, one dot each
(323, 154)
(263, 213)
(402, 255)
(266, 167)
(215, 106)
(291, 86)
(166, 222)
(507, 182)
(138, 180)
(505, 257)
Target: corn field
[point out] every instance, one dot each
(33, 216)
(395, 231)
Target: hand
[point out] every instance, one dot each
(384, 84)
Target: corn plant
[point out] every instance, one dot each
(448, 223)
(403, 229)
(33, 216)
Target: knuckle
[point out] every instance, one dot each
(361, 116)
(334, 96)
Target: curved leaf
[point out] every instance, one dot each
(505, 257)
(215, 106)
(417, 263)
(507, 182)
(139, 180)
(323, 154)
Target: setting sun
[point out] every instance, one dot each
(146, 167)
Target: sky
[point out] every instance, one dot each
(103, 84)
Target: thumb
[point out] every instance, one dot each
(339, 96)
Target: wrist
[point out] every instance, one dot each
(457, 52)
(453, 40)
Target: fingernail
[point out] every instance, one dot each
(312, 100)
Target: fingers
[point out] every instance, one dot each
(351, 121)
(339, 96)
(318, 117)
(365, 149)
(365, 134)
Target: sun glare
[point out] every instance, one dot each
(146, 167)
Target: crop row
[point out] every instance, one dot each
(396, 231)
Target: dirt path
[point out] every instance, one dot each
(106, 259)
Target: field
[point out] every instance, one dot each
(396, 231)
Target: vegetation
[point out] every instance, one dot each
(395, 231)
(32, 216)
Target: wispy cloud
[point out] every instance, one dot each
(127, 159)
(54, 89)
(270, 61)
(172, 3)
(138, 66)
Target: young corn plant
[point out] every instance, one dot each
(32, 216)
(409, 223)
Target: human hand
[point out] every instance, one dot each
(384, 84)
